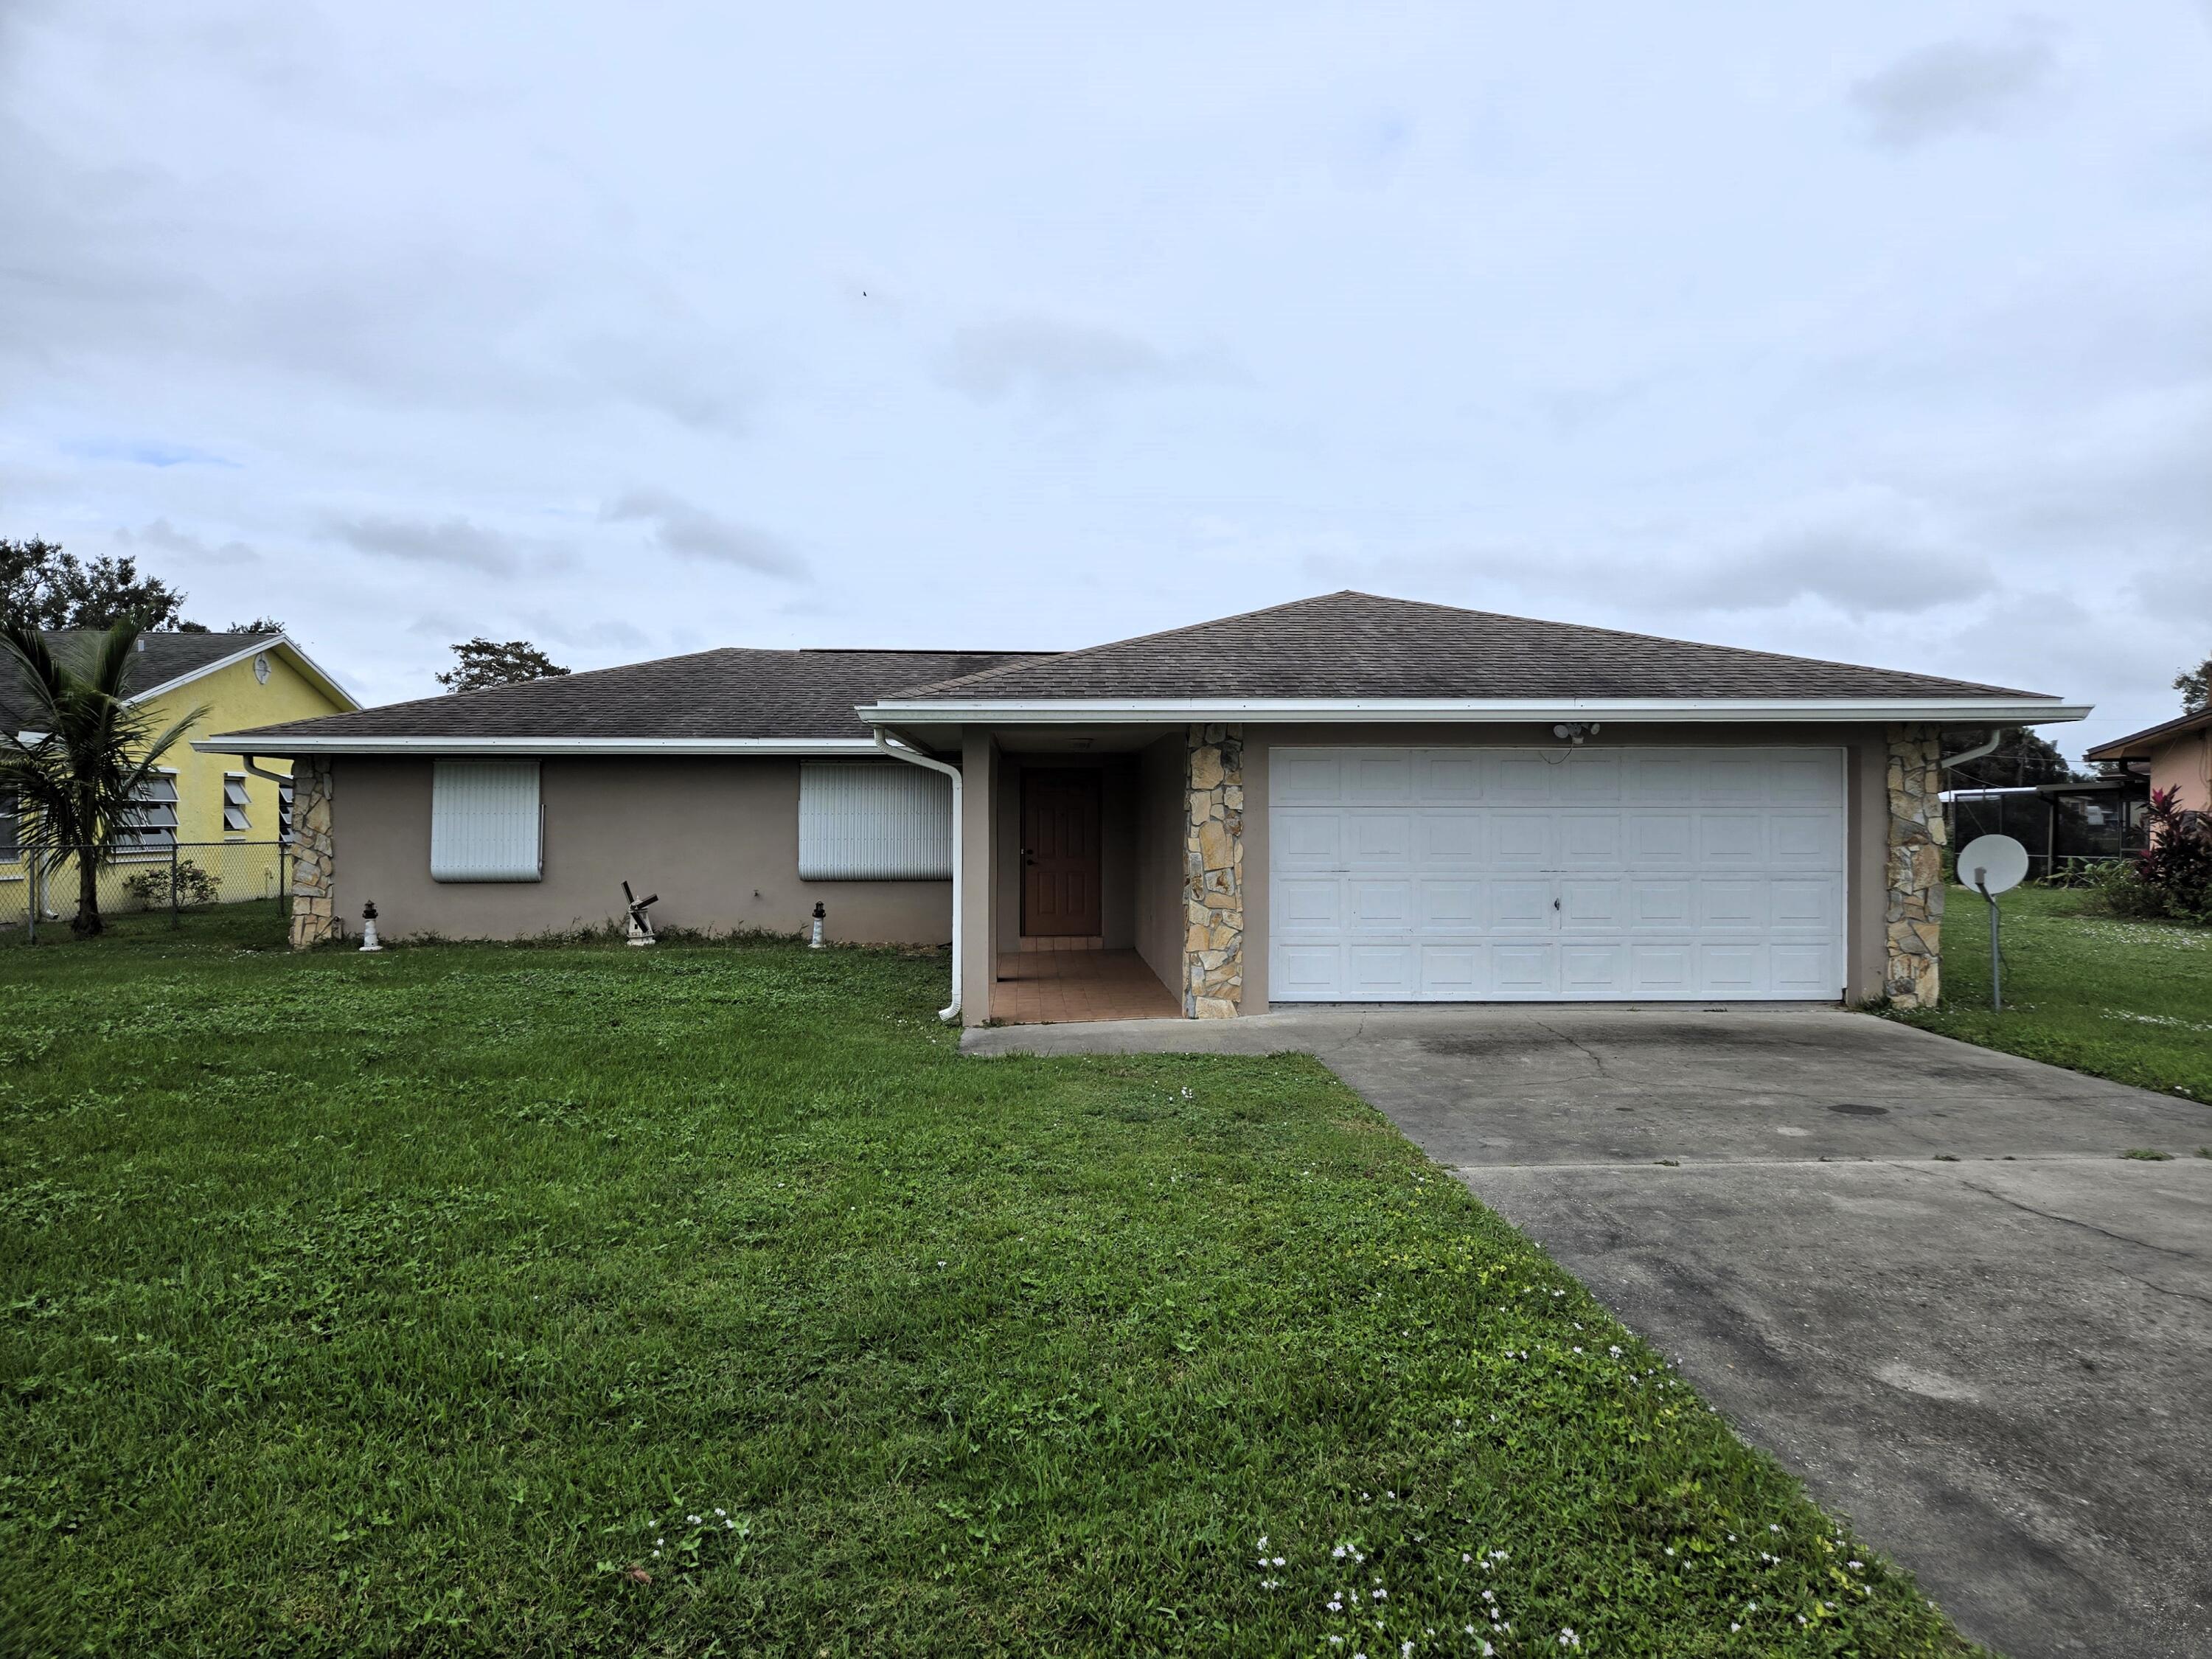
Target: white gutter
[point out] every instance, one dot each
(1966, 754)
(1071, 711)
(248, 742)
(950, 1011)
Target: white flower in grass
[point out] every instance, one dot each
(1569, 1639)
(1855, 1566)
(693, 1519)
(1280, 1562)
(1338, 1552)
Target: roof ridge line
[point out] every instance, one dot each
(1135, 639)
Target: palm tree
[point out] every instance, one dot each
(77, 771)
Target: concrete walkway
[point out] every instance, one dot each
(1919, 1273)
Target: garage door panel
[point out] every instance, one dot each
(1661, 839)
(1667, 778)
(1448, 907)
(1452, 973)
(1521, 907)
(1666, 907)
(1731, 906)
(1593, 905)
(1524, 779)
(1662, 970)
(1447, 777)
(1448, 840)
(1378, 840)
(1802, 971)
(1305, 778)
(1524, 971)
(1385, 780)
(1729, 841)
(1591, 838)
(1805, 840)
(1304, 839)
(1309, 902)
(1730, 971)
(1801, 908)
(1307, 972)
(1594, 970)
(1450, 874)
(1383, 973)
(1590, 780)
(1524, 840)
(1732, 779)
(1379, 906)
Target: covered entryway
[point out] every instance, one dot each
(1556, 874)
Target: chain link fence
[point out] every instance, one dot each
(38, 900)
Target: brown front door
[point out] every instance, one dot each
(1060, 852)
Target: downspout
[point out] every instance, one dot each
(246, 761)
(1966, 754)
(913, 756)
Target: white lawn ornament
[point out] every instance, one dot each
(1991, 865)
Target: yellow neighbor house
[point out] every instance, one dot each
(202, 809)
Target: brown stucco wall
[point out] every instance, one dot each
(2185, 764)
(1158, 870)
(718, 839)
(1865, 814)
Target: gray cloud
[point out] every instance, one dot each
(454, 543)
(1859, 570)
(161, 536)
(1049, 356)
(1954, 86)
(695, 533)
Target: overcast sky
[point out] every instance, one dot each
(1880, 331)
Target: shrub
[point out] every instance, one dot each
(150, 888)
(2173, 875)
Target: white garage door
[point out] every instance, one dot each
(1457, 875)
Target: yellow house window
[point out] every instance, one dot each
(152, 827)
(235, 804)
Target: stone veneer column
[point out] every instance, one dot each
(314, 859)
(1913, 913)
(1213, 874)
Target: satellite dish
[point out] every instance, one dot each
(1994, 864)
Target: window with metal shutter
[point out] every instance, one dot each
(235, 804)
(486, 823)
(861, 823)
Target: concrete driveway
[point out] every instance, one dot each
(1919, 1273)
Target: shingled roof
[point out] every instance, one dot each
(160, 658)
(1352, 645)
(725, 694)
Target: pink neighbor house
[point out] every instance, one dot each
(2180, 753)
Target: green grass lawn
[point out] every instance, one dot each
(2131, 1000)
(567, 1301)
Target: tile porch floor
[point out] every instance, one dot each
(1050, 988)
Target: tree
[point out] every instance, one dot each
(2194, 685)
(2020, 758)
(76, 781)
(480, 663)
(43, 586)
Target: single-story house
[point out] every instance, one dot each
(1347, 798)
(2177, 755)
